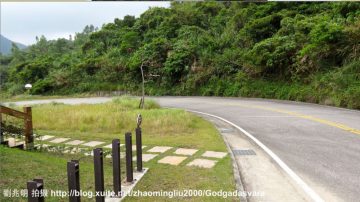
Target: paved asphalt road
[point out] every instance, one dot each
(320, 144)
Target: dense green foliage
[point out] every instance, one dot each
(297, 51)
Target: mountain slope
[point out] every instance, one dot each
(6, 44)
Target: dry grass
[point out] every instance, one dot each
(111, 120)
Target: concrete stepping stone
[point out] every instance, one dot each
(93, 143)
(45, 137)
(202, 163)
(134, 147)
(44, 145)
(75, 150)
(187, 152)
(75, 142)
(213, 154)
(159, 149)
(110, 146)
(146, 157)
(59, 140)
(172, 160)
(91, 153)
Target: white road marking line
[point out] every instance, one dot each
(313, 195)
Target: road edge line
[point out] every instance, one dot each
(313, 195)
(237, 175)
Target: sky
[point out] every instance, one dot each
(22, 22)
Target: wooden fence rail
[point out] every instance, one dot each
(28, 126)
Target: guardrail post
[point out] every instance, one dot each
(99, 175)
(29, 138)
(35, 190)
(116, 166)
(129, 163)
(138, 149)
(73, 170)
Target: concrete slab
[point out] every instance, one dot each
(122, 154)
(75, 150)
(59, 140)
(51, 149)
(146, 157)
(213, 154)
(172, 160)
(44, 145)
(159, 149)
(90, 153)
(75, 142)
(45, 137)
(127, 187)
(12, 142)
(110, 146)
(93, 143)
(202, 163)
(187, 152)
(134, 147)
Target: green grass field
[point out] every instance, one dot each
(104, 122)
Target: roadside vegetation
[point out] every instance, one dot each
(17, 167)
(284, 50)
(104, 122)
(169, 127)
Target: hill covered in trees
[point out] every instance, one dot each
(296, 51)
(6, 44)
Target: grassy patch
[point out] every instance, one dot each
(103, 122)
(18, 166)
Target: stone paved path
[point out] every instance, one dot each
(159, 154)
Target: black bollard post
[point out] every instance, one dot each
(129, 163)
(73, 170)
(138, 149)
(99, 175)
(35, 190)
(116, 166)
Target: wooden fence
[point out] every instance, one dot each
(26, 115)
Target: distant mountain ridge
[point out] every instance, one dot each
(6, 44)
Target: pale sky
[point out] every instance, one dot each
(22, 22)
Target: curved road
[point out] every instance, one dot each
(320, 144)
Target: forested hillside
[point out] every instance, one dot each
(5, 45)
(296, 51)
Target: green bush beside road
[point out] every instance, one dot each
(284, 50)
